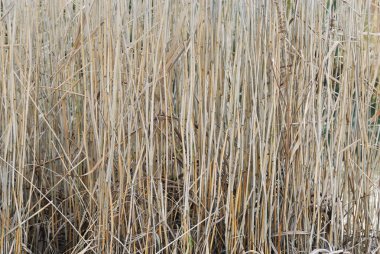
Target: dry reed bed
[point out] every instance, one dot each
(189, 126)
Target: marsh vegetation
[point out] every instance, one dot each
(189, 126)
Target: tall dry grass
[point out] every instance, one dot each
(189, 126)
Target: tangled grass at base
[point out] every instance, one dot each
(189, 126)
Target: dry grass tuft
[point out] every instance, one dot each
(189, 126)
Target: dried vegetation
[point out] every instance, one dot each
(189, 126)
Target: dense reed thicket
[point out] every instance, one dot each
(164, 126)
